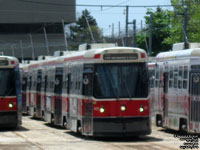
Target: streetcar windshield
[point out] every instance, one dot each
(7, 82)
(121, 80)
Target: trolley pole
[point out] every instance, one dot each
(46, 40)
(126, 40)
(65, 36)
(33, 54)
(22, 54)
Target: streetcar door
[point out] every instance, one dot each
(58, 92)
(88, 77)
(38, 89)
(24, 89)
(194, 101)
(165, 96)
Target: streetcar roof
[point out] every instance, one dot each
(85, 55)
(6, 61)
(172, 55)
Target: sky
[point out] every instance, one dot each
(105, 17)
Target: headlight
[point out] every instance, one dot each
(123, 108)
(10, 105)
(141, 109)
(101, 109)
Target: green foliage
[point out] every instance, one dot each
(168, 25)
(193, 16)
(160, 30)
(80, 33)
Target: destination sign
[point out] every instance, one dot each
(3, 62)
(121, 56)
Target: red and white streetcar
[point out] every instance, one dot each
(10, 92)
(177, 88)
(102, 92)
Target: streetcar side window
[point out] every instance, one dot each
(180, 73)
(185, 72)
(180, 77)
(170, 83)
(185, 84)
(175, 80)
(171, 73)
(180, 84)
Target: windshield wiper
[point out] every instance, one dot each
(128, 91)
(115, 91)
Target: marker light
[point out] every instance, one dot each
(141, 108)
(142, 55)
(10, 105)
(101, 109)
(12, 62)
(123, 108)
(97, 56)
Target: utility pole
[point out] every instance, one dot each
(46, 40)
(126, 40)
(150, 35)
(134, 33)
(141, 24)
(185, 25)
(119, 29)
(112, 30)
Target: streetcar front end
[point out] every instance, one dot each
(10, 92)
(116, 94)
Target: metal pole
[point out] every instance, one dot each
(141, 24)
(46, 40)
(185, 25)
(112, 29)
(134, 33)
(150, 35)
(21, 50)
(33, 54)
(119, 30)
(65, 36)
(126, 43)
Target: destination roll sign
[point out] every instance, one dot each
(121, 56)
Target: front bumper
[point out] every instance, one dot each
(124, 126)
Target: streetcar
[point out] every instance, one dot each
(10, 92)
(177, 88)
(151, 67)
(24, 83)
(97, 92)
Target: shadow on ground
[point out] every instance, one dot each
(116, 139)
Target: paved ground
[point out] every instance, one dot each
(37, 135)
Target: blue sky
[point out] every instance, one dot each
(107, 16)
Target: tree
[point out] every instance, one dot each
(160, 30)
(193, 15)
(80, 32)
